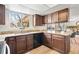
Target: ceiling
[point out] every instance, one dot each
(39, 7)
(42, 9)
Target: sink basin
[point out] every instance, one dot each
(53, 31)
(62, 32)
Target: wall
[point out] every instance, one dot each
(7, 27)
(17, 8)
(74, 17)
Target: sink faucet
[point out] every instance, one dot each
(21, 29)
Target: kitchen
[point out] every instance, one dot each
(39, 28)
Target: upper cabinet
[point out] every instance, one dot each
(54, 17)
(63, 15)
(39, 20)
(2, 14)
(46, 19)
(60, 16)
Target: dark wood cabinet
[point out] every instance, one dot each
(46, 19)
(29, 39)
(61, 43)
(60, 16)
(54, 17)
(11, 41)
(39, 20)
(2, 14)
(63, 15)
(48, 40)
(21, 44)
(24, 43)
(58, 43)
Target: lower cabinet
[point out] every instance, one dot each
(61, 43)
(29, 40)
(21, 44)
(48, 40)
(24, 43)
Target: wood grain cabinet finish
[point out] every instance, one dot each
(11, 41)
(63, 15)
(54, 17)
(24, 43)
(47, 40)
(46, 19)
(29, 39)
(39, 20)
(2, 14)
(21, 44)
(60, 16)
(61, 43)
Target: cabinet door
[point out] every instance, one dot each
(43, 20)
(2, 14)
(54, 17)
(46, 19)
(12, 44)
(39, 20)
(21, 44)
(29, 42)
(47, 40)
(63, 15)
(58, 44)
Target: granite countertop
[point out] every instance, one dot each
(3, 36)
(59, 33)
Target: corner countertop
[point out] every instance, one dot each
(3, 36)
(60, 33)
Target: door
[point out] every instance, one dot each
(21, 44)
(29, 39)
(47, 40)
(54, 17)
(63, 15)
(39, 20)
(58, 44)
(46, 19)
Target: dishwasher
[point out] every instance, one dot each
(4, 48)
